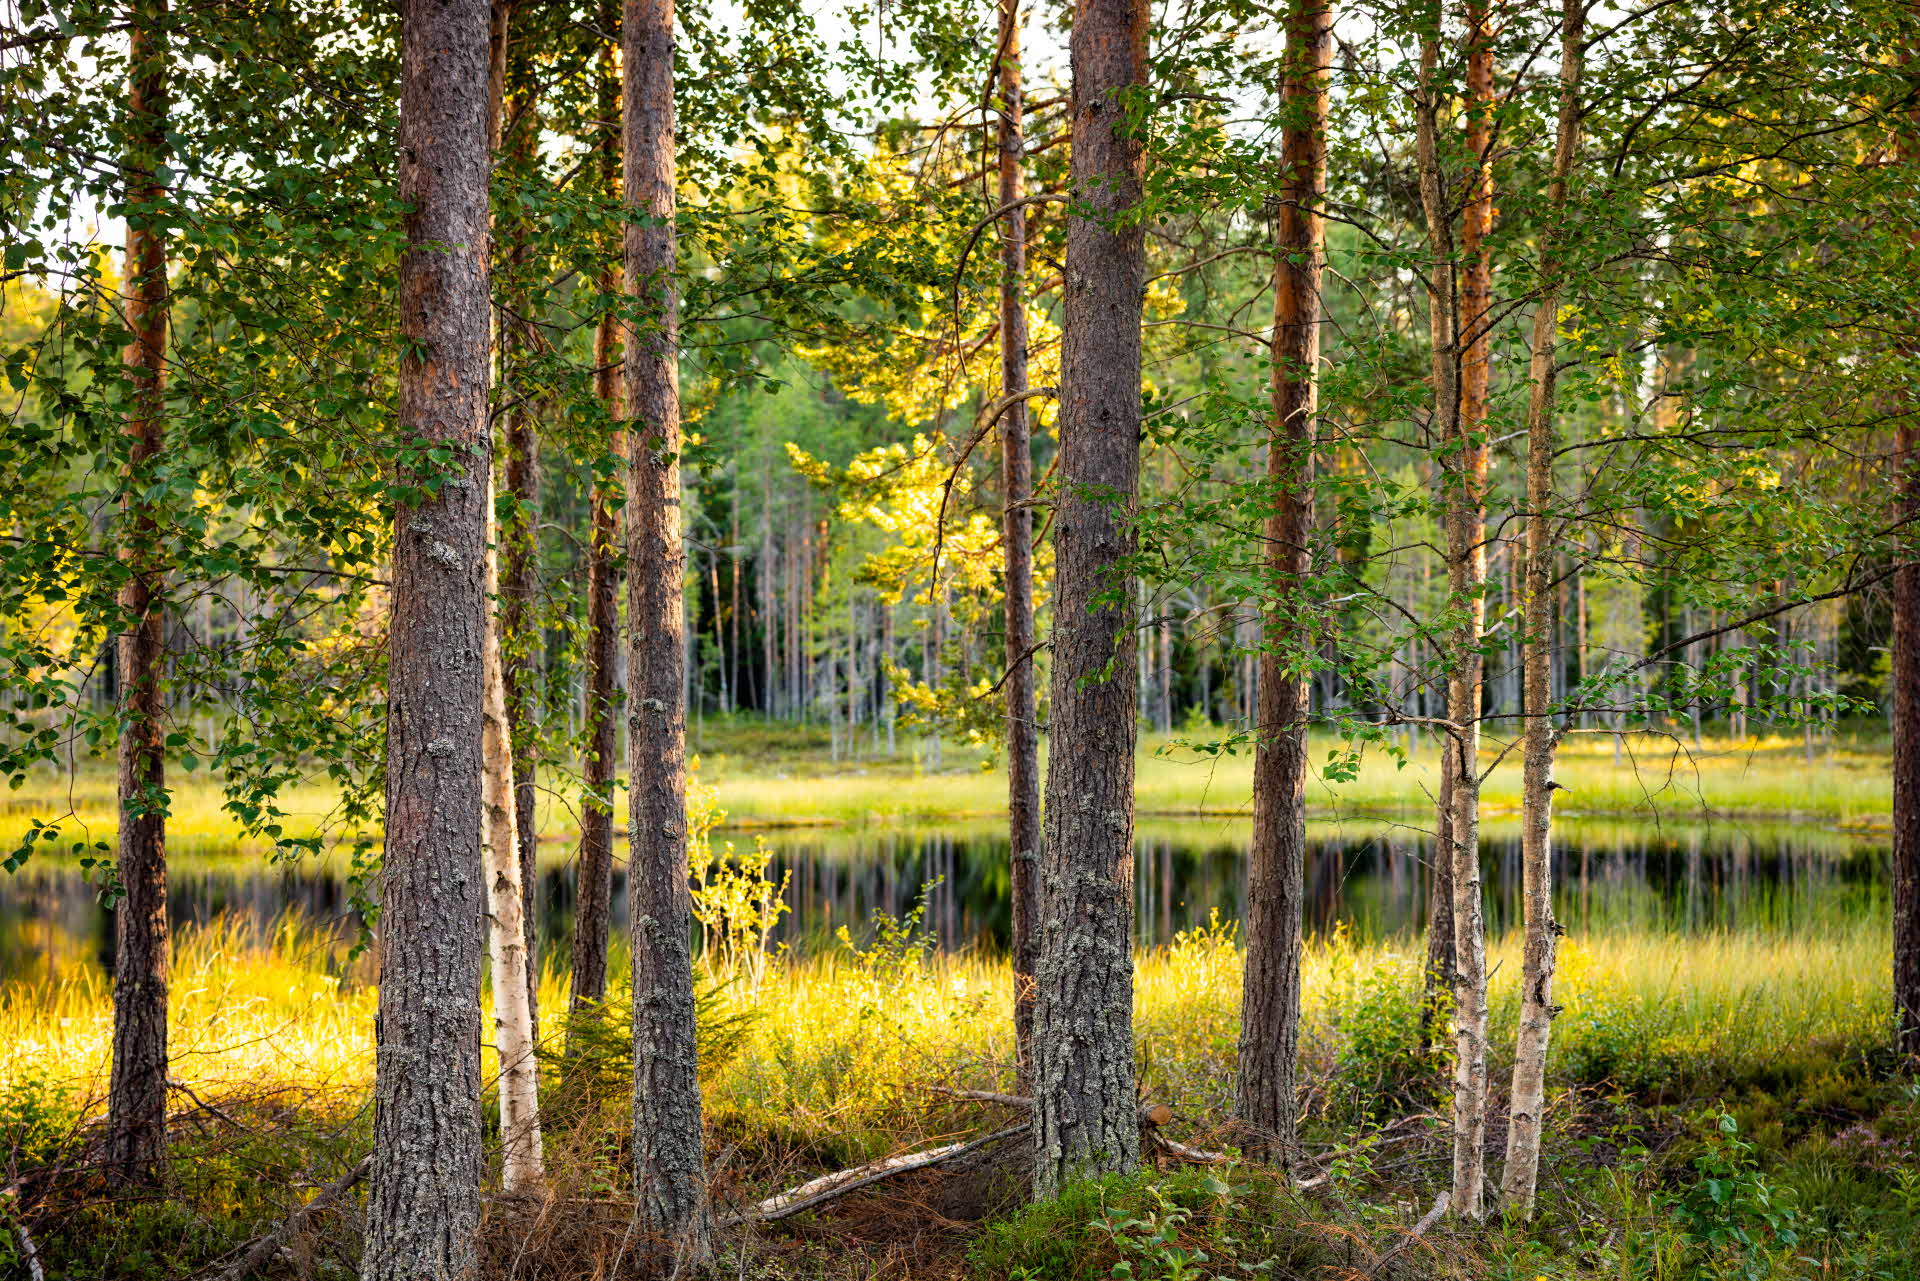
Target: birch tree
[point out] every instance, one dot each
(1536, 830)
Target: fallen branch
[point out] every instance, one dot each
(256, 1253)
(28, 1251)
(1152, 1117)
(1418, 1230)
(828, 1186)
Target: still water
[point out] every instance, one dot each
(1370, 875)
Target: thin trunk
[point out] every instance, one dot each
(137, 1096)
(515, 585)
(1266, 1102)
(1084, 1102)
(424, 1209)
(669, 1162)
(1440, 902)
(1542, 931)
(1463, 497)
(593, 901)
(1016, 465)
(513, 1035)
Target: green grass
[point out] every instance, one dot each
(780, 775)
(839, 1058)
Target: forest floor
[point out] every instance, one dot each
(1723, 1106)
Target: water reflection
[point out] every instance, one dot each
(1373, 876)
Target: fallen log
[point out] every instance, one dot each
(828, 1186)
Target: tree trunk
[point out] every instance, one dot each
(514, 1037)
(1085, 1112)
(1905, 674)
(1266, 1092)
(669, 1163)
(1016, 465)
(1536, 830)
(1463, 486)
(137, 1096)
(425, 1204)
(1440, 901)
(593, 901)
(520, 588)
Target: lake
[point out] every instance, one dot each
(1368, 875)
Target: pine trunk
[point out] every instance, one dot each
(1905, 676)
(1016, 465)
(1084, 1104)
(669, 1161)
(1267, 1088)
(425, 1204)
(137, 1095)
(593, 901)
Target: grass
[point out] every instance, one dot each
(775, 775)
(839, 1058)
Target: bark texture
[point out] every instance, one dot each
(1016, 467)
(1085, 1121)
(137, 1095)
(513, 1033)
(518, 548)
(1266, 1093)
(593, 901)
(1440, 906)
(1463, 499)
(1536, 830)
(425, 1204)
(1905, 661)
(669, 1162)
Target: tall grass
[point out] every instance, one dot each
(841, 1055)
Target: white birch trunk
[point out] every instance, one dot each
(521, 1163)
(1542, 931)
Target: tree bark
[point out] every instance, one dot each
(425, 1205)
(1905, 674)
(1536, 828)
(669, 1162)
(1016, 532)
(513, 1035)
(1085, 1113)
(1463, 497)
(137, 1094)
(1266, 1093)
(593, 902)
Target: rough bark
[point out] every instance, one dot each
(1266, 1092)
(137, 1095)
(1085, 1122)
(424, 1208)
(513, 1035)
(1536, 829)
(669, 1162)
(1463, 497)
(1016, 467)
(1905, 675)
(593, 901)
